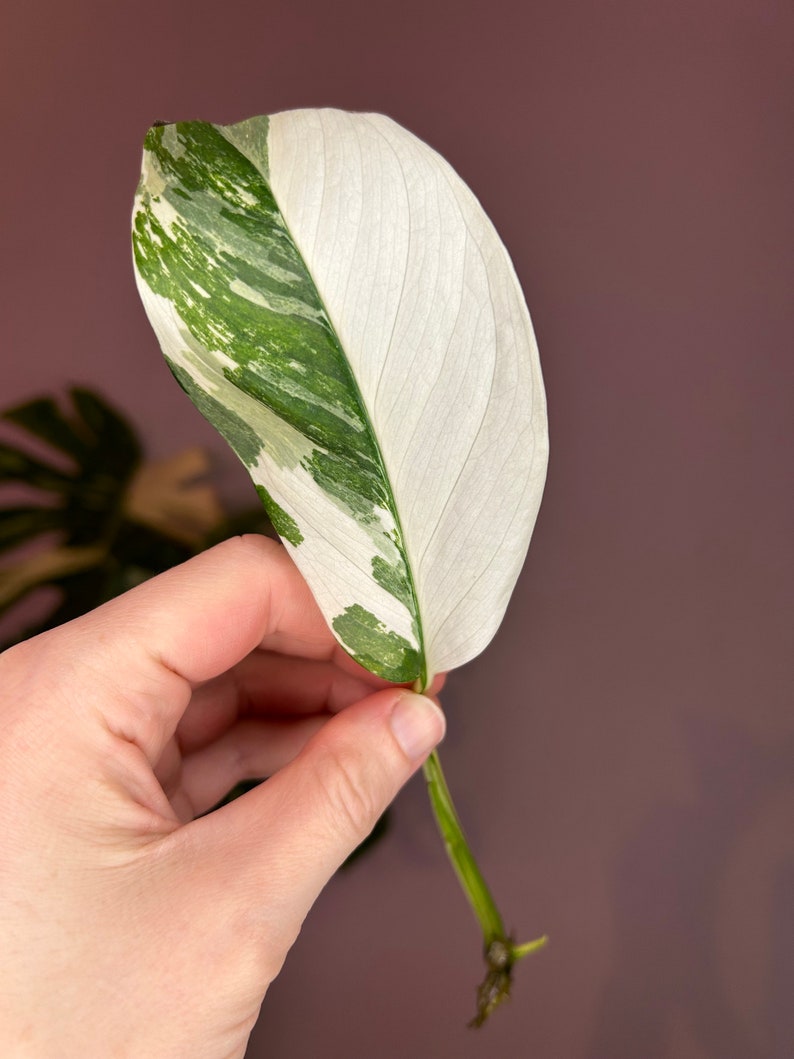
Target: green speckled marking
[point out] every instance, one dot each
(377, 649)
(390, 577)
(284, 524)
(246, 443)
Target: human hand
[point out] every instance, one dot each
(128, 928)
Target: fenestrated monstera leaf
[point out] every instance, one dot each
(76, 497)
(97, 517)
(333, 298)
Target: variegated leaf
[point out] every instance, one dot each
(335, 301)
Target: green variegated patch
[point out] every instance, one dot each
(285, 526)
(376, 646)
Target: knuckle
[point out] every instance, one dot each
(252, 544)
(350, 801)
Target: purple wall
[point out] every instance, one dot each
(622, 753)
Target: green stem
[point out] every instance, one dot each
(501, 953)
(468, 872)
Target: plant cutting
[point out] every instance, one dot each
(333, 298)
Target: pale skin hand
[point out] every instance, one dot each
(127, 927)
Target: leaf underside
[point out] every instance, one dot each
(333, 299)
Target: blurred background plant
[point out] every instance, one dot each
(83, 512)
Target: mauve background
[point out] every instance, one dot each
(622, 753)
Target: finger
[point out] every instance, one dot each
(270, 684)
(202, 617)
(287, 837)
(187, 626)
(249, 750)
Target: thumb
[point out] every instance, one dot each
(278, 845)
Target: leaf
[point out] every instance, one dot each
(18, 525)
(44, 568)
(174, 497)
(43, 418)
(335, 301)
(111, 430)
(17, 466)
(110, 515)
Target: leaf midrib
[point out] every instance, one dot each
(424, 676)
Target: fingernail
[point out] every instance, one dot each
(418, 725)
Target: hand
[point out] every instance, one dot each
(127, 927)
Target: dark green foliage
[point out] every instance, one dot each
(77, 492)
(394, 657)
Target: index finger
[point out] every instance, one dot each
(136, 658)
(201, 618)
